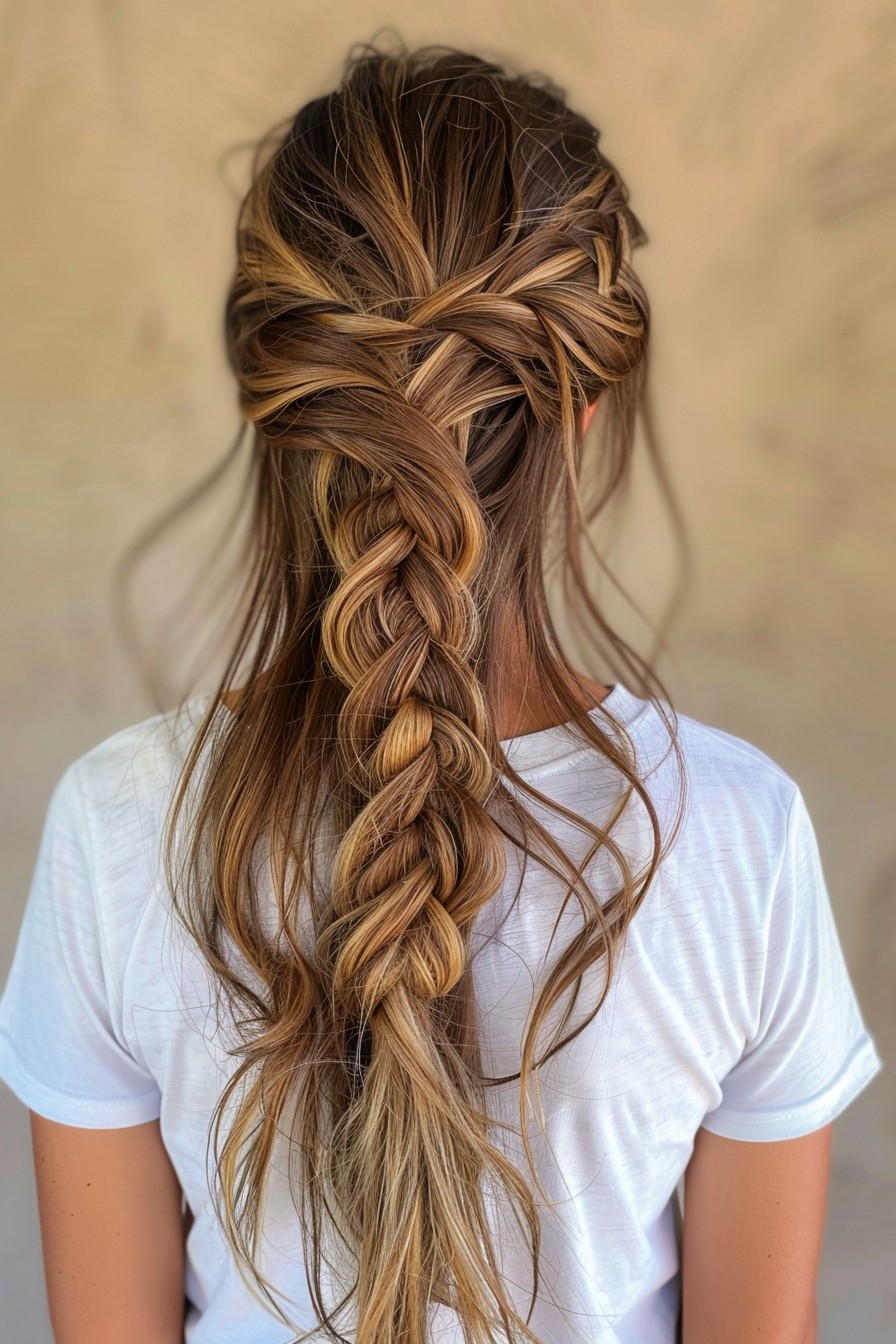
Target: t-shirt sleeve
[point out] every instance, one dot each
(811, 1053)
(59, 1051)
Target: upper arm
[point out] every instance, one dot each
(752, 1234)
(112, 1231)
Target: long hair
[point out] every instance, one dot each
(433, 280)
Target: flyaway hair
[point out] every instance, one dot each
(433, 279)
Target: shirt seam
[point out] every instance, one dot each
(107, 968)
(776, 882)
(575, 754)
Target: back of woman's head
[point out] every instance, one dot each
(433, 283)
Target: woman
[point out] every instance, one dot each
(293, 953)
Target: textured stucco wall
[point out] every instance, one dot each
(760, 156)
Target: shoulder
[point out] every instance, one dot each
(109, 808)
(122, 785)
(736, 791)
(720, 754)
(145, 750)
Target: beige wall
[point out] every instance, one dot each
(760, 157)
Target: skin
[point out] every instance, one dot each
(112, 1233)
(752, 1237)
(113, 1230)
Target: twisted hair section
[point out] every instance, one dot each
(433, 279)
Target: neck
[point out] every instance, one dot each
(522, 707)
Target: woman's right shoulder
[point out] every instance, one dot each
(126, 779)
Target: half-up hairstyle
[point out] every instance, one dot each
(433, 281)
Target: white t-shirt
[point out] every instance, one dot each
(732, 1008)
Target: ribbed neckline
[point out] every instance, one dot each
(561, 743)
(555, 746)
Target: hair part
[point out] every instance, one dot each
(433, 280)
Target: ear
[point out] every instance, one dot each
(587, 416)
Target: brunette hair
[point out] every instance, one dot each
(433, 280)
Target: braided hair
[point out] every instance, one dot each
(433, 280)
